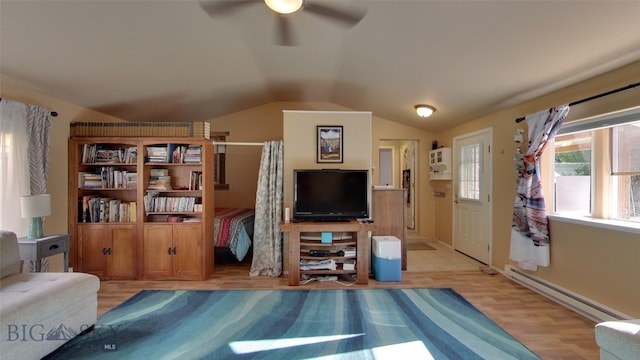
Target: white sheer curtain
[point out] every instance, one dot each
(267, 241)
(24, 164)
(14, 165)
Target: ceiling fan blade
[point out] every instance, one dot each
(284, 35)
(223, 7)
(346, 18)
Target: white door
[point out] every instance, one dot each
(472, 169)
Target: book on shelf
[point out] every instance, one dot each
(89, 180)
(114, 210)
(107, 178)
(86, 212)
(149, 200)
(174, 153)
(97, 209)
(105, 154)
(159, 179)
(160, 183)
(193, 154)
(81, 178)
(158, 172)
(131, 155)
(93, 209)
(195, 180)
(156, 154)
(133, 208)
(103, 211)
(131, 180)
(108, 156)
(155, 203)
(119, 179)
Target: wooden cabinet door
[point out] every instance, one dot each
(121, 261)
(187, 239)
(92, 248)
(158, 251)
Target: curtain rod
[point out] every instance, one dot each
(53, 113)
(238, 143)
(611, 92)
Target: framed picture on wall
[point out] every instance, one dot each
(329, 144)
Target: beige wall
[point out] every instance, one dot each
(300, 142)
(589, 261)
(599, 263)
(254, 125)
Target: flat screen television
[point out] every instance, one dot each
(330, 194)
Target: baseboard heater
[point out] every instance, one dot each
(578, 303)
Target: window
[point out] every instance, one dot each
(469, 167)
(14, 165)
(572, 173)
(596, 167)
(625, 168)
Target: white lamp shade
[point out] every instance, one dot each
(35, 206)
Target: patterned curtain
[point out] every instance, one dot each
(38, 129)
(267, 240)
(530, 231)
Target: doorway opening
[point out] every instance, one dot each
(398, 169)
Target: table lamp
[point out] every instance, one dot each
(35, 207)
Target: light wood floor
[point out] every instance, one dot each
(550, 330)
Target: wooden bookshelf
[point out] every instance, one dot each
(125, 226)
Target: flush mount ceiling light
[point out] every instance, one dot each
(284, 6)
(425, 110)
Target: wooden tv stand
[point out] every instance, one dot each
(359, 239)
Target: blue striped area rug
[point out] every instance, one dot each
(295, 324)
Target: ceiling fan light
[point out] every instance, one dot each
(284, 6)
(425, 110)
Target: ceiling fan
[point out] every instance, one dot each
(283, 9)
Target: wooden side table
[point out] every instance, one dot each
(38, 249)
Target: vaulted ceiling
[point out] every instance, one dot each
(172, 61)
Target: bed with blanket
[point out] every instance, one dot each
(233, 232)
